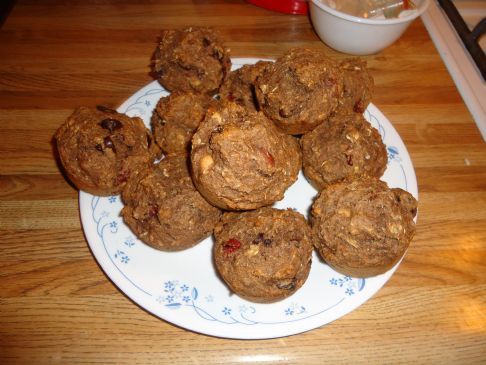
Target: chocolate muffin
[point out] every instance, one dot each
(100, 149)
(176, 118)
(300, 90)
(346, 146)
(263, 255)
(239, 86)
(362, 228)
(240, 160)
(164, 209)
(191, 60)
(358, 85)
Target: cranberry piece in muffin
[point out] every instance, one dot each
(100, 149)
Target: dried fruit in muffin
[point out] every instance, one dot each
(100, 149)
(176, 118)
(263, 255)
(362, 228)
(192, 60)
(164, 209)
(300, 90)
(240, 160)
(239, 86)
(346, 146)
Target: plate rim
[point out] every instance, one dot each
(116, 276)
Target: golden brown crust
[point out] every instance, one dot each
(192, 60)
(164, 209)
(240, 160)
(344, 147)
(100, 149)
(362, 228)
(263, 255)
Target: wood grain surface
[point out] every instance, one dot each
(56, 304)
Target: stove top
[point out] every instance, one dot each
(472, 12)
(460, 64)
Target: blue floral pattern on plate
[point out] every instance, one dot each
(177, 296)
(183, 287)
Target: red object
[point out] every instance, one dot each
(231, 246)
(268, 156)
(407, 5)
(283, 6)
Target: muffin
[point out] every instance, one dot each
(163, 208)
(345, 147)
(300, 90)
(362, 228)
(191, 60)
(176, 118)
(263, 255)
(239, 86)
(100, 148)
(358, 85)
(240, 160)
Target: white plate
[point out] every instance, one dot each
(183, 287)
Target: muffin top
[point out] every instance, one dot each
(300, 90)
(100, 149)
(191, 60)
(263, 255)
(362, 227)
(240, 160)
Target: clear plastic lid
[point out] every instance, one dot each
(374, 9)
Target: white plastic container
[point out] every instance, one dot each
(359, 36)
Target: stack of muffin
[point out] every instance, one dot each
(232, 143)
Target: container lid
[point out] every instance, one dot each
(283, 6)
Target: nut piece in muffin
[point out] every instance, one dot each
(362, 228)
(239, 86)
(263, 255)
(358, 85)
(176, 118)
(164, 209)
(346, 146)
(300, 90)
(100, 149)
(241, 160)
(192, 60)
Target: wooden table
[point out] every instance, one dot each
(56, 304)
